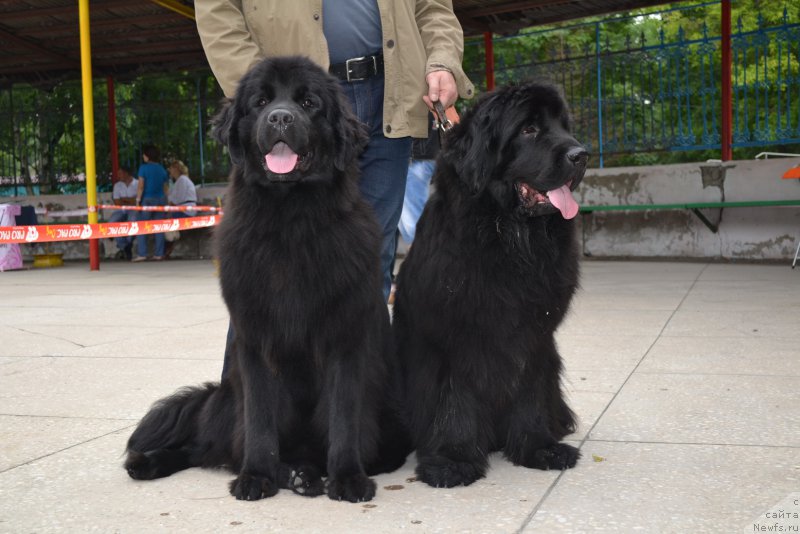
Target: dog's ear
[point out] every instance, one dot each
(474, 146)
(349, 133)
(224, 129)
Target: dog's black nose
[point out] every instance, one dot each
(578, 156)
(280, 118)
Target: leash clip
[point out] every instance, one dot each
(442, 122)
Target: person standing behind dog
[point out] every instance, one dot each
(153, 188)
(392, 57)
(124, 194)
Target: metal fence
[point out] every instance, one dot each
(657, 90)
(41, 131)
(635, 84)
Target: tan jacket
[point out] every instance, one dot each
(419, 36)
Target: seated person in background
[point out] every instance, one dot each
(124, 194)
(182, 192)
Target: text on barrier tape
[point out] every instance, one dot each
(44, 233)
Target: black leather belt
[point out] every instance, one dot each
(358, 68)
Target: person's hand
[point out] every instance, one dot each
(442, 88)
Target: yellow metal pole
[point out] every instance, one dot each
(88, 128)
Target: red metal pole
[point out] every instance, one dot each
(112, 130)
(726, 122)
(489, 48)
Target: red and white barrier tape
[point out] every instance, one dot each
(75, 232)
(84, 211)
(158, 208)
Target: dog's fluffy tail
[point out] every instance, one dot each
(170, 437)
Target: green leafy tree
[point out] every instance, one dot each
(653, 95)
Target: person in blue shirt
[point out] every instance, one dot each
(153, 190)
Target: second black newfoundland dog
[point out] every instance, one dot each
(486, 283)
(313, 388)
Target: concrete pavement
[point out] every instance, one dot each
(685, 377)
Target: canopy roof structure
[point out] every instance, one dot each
(40, 39)
(504, 16)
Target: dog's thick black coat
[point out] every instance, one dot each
(313, 387)
(486, 283)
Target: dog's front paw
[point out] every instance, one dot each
(306, 481)
(556, 456)
(139, 466)
(353, 488)
(442, 472)
(247, 487)
(154, 464)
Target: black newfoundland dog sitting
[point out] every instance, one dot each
(313, 387)
(486, 283)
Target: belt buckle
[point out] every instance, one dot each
(362, 58)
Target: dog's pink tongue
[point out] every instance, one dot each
(281, 158)
(562, 199)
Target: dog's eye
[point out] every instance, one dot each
(532, 131)
(262, 102)
(308, 103)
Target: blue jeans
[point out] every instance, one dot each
(417, 186)
(384, 165)
(121, 216)
(141, 241)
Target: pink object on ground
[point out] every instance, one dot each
(10, 255)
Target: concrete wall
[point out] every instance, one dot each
(744, 233)
(766, 233)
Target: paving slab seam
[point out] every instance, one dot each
(155, 331)
(760, 336)
(48, 336)
(644, 356)
(79, 306)
(553, 484)
(134, 419)
(701, 373)
(549, 490)
(32, 460)
(688, 443)
(119, 358)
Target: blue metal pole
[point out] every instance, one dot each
(13, 144)
(200, 133)
(599, 93)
